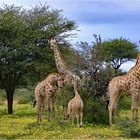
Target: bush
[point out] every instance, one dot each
(23, 101)
(2, 97)
(95, 112)
(125, 102)
(24, 96)
(129, 128)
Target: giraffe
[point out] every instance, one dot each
(60, 64)
(120, 85)
(75, 106)
(69, 77)
(45, 90)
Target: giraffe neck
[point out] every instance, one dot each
(58, 60)
(75, 88)
(136, 67)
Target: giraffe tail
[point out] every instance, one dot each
(34, 103)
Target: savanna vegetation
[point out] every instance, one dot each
(22, 123)
(26, 58)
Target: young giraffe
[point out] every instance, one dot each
(46, 90)
(75, 106)
(128, 83)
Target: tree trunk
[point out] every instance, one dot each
(10, 93)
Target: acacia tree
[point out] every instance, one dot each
(118, 51)
(23, 44)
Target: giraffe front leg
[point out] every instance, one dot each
(110, 109)
(77, 117)
(38, 111)
(53, 105)
(115, 106)
(81, 119)
(49, 111)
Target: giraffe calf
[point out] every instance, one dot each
(75, 107)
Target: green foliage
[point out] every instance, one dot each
(119, 51)
(95, 112)
(125, 102)
(2, 96)
(129, 128)
(23, 96)
(23, 40)
(25, 55)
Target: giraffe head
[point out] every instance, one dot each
(57, 80)
(70, 78)
(53, 42)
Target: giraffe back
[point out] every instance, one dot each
(49, 85)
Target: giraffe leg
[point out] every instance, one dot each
(115, 106)
(42, 106)
(110, 115)
(49, 109)
(72, 119)
(134, 105)
(39, 110)
(136, 110)
(112, 106)
(53, 105)
(81, 119)
(65, 114)
(77, 117)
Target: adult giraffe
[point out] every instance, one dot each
(60, 64)
(128, 83)
(45, 90)
(69, 77)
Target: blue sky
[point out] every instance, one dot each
(109, 18)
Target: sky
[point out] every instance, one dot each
(109, 18)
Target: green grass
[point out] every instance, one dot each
(22, 125)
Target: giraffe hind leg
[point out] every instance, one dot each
(112, 107)
(134, 106)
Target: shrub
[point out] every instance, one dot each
(95, 112)
(129, 128)
(125, 102)
(24, 96)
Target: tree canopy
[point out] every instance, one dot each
(24, 48)
(119, 51)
